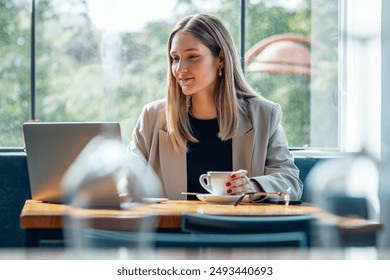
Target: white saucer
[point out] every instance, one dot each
(154, 199)
(225, 199)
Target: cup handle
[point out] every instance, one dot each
(205, 185)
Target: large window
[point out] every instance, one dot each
(297, 66)
(104, 60)
(14, 70)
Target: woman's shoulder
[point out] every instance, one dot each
(154, 112)
(156, 105)
(261, 103)
(262, 112)
(155, 109)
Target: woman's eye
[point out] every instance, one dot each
(174, 59)
(193, 56)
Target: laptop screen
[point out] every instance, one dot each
(52, 147)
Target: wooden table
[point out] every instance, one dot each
(46, 220)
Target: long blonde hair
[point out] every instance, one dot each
(230, 88)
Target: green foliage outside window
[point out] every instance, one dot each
(85, 74)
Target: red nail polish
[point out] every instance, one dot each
(229, 191)
(233, 176)
(228, 184)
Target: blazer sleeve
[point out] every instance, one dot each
(139, 146)
(280, 172)
(140, 150)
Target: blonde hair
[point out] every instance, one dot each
(230, 88)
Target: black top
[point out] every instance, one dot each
(209, 154)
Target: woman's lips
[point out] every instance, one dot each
(185, 81)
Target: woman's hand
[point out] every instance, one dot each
(239, 183)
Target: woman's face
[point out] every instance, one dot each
(193, 65)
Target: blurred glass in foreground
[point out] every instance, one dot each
(345, 187)
(105, 177)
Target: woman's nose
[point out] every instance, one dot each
(181, 66)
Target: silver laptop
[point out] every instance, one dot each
(52, 147)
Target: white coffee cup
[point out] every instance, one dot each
(215, 181)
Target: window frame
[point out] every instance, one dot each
(342, 149)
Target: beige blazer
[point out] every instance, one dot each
(259, 146)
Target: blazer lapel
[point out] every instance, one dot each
(243, 144)
(173, 168)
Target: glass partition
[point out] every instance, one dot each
(104, 60)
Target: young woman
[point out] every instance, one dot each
(212, 120)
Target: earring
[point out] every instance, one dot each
(220, 71)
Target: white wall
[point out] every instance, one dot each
(384, 190)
